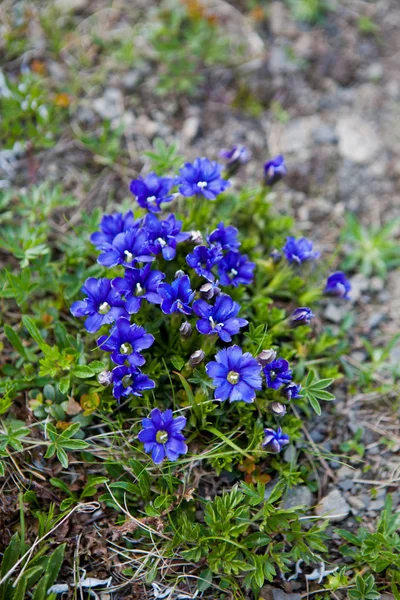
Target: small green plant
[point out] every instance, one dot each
(370, 250)
(367, 26)
(310, 11)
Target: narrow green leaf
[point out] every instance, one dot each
(322, 384)
(33, 330)
(314, 403)
(223, 437)
(14, 340)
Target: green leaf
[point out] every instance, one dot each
(64, 384)
(314, 403)
(205, 580)
(20, 590)
(223, 437)
(54, 565)
(11, 555)
(62, 457)
(83, 371)
(13, 338)
(322, 384)
(257, 540)
(33, 330)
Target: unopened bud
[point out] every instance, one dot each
(196, 237)
(185, 330)
(277, 409)
(179, 273)
(276, 255)
(196, 358)
(301, 316)
(266, 356)
(104, 378)
(209, 290)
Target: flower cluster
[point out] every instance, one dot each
(142, 248)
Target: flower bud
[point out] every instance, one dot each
(197, 358)
(277, 409)
(185, 330)
(266, 356)
(235, 158)
(274, 170)
(276, 255)
(209, 290)
(179, 273)
(196, 237)
(104, 378)
(301, 316)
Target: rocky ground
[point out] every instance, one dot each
(328, 99)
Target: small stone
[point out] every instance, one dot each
(280, 61)
(374, 71)
(334, 313)
(377, 504)
(325, 134)
(375, 319)
(358, 141)
(359, 284)
(111, 105)
(345, 485)
(190, 128)
(146, 126)
(345, 472)
(270, 593)
(280, 21)
(70, 5)
(333, 505)
(356, 503)
(298, 496)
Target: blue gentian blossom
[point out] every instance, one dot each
(177, 296)
(226, 237)
(299, 251)
(292, 390)
(127, 249)
(337, 284)
(234, 269)
(138, 285)
(235, 374)
(203, 177)
(130, 380)
(274, 170)
(220, 318)
(151, 190)
(125, 341)
(203, 259)
(235, 158)
(162, 435)
(111, 226)
(164, 235)
(277, 373)
(274, 441)
(301, 316)
(101, 307)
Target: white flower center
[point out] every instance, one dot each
(214, 324)
(125, 348)
(162, 436)
(151, 198)
(161, 242)
(233, 272)
(139, 289)
(233, 377)
(104, 308)
(128, 256)
(202, 184)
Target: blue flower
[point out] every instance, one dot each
(301, 316)
(292, 390)
(220, 318)
(274, 441)
(226, 237)
(130, 380)
(177, 296)
(161, 435)
(274, 170)
(299, 251)
(235, 158)
(234, 269)
(102, 306)
(127, 249)
(203, 177)
(203, 259)
(164, 235)
(337, 284)
(111, 226)
(235, 375)
(139, 285)
(125, 341)
(151, 190)
(277, 373)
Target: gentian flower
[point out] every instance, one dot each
(337, 284)
(130, 380)
(164, 235)
(127, 249)
(274, 170)
(111, 226)
(277, 373)
(226, 237)
(161, 435)
(220, 318)
(102, 306)
(203, 259)
(203, 177)
(125, 341)
(235, 375)
(299, 251)
(292, 390)
(139, 285)
(274, 441)
(301, 316)
(151, 190)
(177, 296)
(234, 269)
(209, 290)
(235, 158)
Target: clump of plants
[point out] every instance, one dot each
(182, 376)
